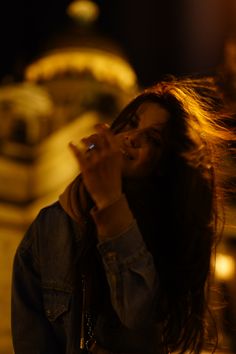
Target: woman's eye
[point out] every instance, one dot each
(133, 122)
(153, 138)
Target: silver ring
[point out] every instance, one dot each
(91, 147)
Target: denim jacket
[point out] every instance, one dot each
(47, 296)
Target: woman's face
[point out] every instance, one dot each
(141, 140)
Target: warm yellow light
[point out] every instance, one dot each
(85, 10)
(26, 100)
(225, 267)
(103, 66)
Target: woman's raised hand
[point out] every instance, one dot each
(101, 164)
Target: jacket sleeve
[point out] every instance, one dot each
(132, 277)
(31, 331)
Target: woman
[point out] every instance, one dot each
(121, 263)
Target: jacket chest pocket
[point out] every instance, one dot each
(56, 304)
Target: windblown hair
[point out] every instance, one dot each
(196, 144)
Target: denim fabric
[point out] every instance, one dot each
(132, 277)
(43, 286)
(47, 297)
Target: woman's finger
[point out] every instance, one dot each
(78, 154)
(108, 136)
(96, 140)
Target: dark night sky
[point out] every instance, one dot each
(159, 37)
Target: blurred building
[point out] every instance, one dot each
(80, 79)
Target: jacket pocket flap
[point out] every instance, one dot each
(56, 303)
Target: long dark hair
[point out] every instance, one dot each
(190, 203)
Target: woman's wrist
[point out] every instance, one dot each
(112, 219)
(106, 202)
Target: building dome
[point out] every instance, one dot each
(83, 70)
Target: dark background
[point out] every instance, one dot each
(159, 37)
